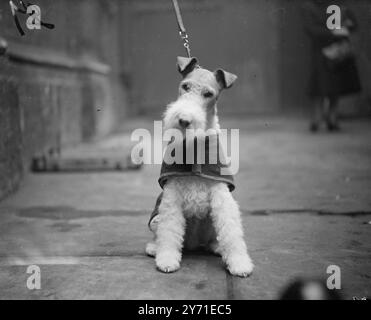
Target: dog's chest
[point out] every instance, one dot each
(195, 195)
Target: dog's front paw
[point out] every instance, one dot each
(240, 265)
(167, 262)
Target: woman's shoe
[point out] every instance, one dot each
(313, 127)
(333, 126)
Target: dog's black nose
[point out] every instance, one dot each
(184, 123)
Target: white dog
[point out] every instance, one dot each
(196, 209)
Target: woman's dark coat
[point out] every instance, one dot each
(327, 79)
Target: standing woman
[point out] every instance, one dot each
(334, 72)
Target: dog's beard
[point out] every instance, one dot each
(186, 110)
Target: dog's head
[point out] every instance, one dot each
(199, 90)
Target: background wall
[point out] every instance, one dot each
(263, 42)
(239, 36)
(108, 60)
(58, 87)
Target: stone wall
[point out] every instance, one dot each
(58, 87)
(10, 133)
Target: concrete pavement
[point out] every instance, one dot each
(305, 201)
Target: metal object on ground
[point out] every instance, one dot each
(3, 46)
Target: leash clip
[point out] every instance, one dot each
(182, 31)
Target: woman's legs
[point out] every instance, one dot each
(325, 108)
(318, 114)
(332, 116)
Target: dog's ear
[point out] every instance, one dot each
(186, 65)
(224, 78)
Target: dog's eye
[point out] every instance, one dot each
(186, 87)
(208, 94)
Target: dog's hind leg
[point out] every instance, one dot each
(151, 246)
(213, 247)
(227, 222)
(170, 231)
(151, 249)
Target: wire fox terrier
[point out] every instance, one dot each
(196, 208)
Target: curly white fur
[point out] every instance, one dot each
(194, 211)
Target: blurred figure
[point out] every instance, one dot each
(308, 290)
(334, 71)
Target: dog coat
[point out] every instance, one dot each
(213, 161)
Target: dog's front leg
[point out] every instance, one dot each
(170, 232)
(227, 223)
